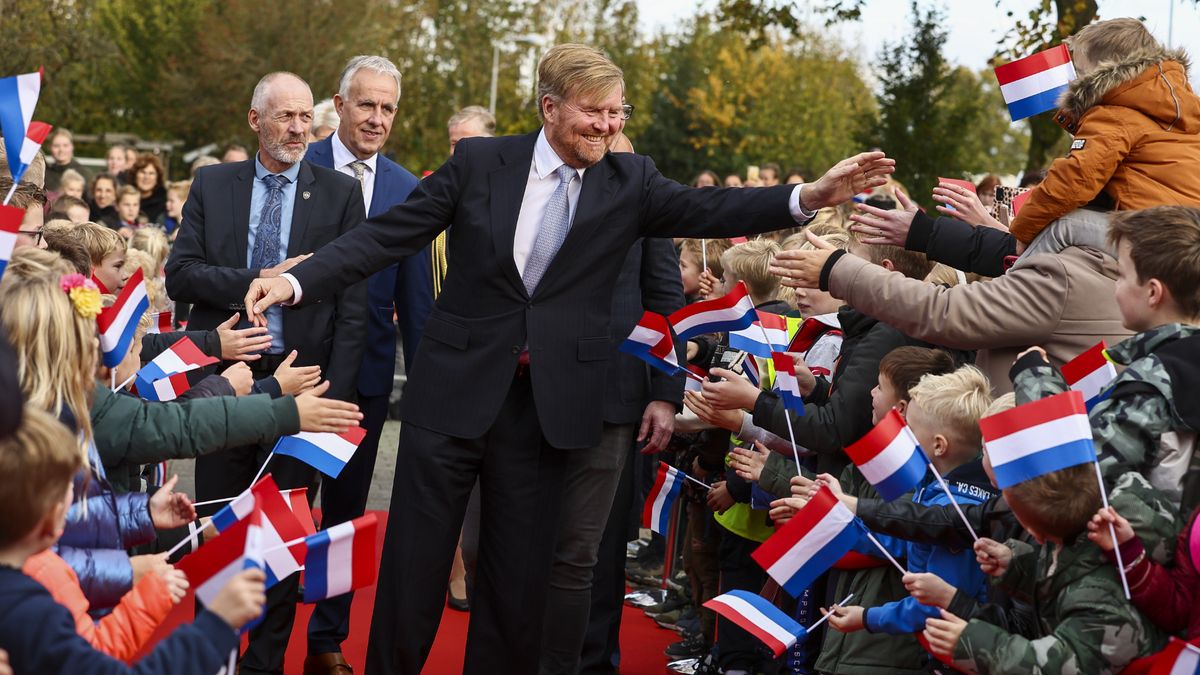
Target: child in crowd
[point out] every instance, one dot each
(60, 237)
(156, 293)
(107, 250)
(129, 210)
(1083, 622)
(72, 185)
(155, 243)
(104, 201)
(38, 634)
(172, 217)
(694, 256)
(943, 413)
(71, 208)
(1134, 118)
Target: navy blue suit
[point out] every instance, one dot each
(407, 287)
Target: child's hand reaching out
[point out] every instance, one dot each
(929, 589)
(992, 556)
(1099, 533)
(296, 379)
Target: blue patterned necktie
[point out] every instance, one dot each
(266, 239)
(555, 225)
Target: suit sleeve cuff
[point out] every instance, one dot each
(297, 293)
(796, 206)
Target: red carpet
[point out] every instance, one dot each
(642, 641)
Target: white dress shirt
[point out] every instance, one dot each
(343, 158)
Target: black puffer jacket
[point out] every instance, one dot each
(965, 247)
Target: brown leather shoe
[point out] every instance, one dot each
(332, 663)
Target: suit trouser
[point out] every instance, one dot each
(601, 652)
(342, 499)
(520, 479)
(588, 490)
(226, 473)
(737, 648)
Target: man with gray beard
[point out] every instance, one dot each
(257, 218)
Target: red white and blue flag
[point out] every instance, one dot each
(750, 370)
(340, 559)
(816, 537)
(1090, 373)
(1036, 438)
(756, 616)
(326, 452)
(786, 383)
(657, 511)
(279, 525)
(238, 547)
(118, 323)
(753, 340)
(23, 137)
(161, 322)
(889, 457)
(181, 357)
(10, 224)
(734, 311)
(1179, 658)
(1031, 85)
(650, 341)
(166, 389)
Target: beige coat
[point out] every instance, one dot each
(1063, 302)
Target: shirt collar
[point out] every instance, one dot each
(545, 160)
(260, 171)
(343, 157)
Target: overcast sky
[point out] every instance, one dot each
(975, 25)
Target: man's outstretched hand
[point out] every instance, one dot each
(262, 294)
(847, 178)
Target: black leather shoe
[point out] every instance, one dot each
(457, 604)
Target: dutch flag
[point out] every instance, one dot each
(1031, 85)
(340, 559)
(325, 452)
(181, 357)
(1179, 658)
(657, 511)
(10, 224)
(212, 565)
(889, 457)
(1036, 438)
(809, 544)
(23, 137)
(732, 312)
(650, 341)
(161, 322)
(279, 524)
(118, 323)
(1090, 374)
(753, 341)
(756, 616)
(786, 384)
(166, 389)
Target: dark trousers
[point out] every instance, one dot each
(601, 652)
(520, 479)
(342, 499)
(227, 473)
(736, 648)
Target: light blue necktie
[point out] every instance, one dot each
(555, 225)
(266, 238)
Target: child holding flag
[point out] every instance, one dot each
(107, 250)
(38, 634)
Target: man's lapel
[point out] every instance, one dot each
(599, 185)
(243, 187)
(305, 192)
(382, 177)
(506, 192)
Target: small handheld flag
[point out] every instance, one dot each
(889, 457)
(1031, 85)
(756, 616)
(657, 511)
(340, 559)
(816, 537)
(1090, 374)
(768, 333)
(182, 357)
(218, 560)
(279, 524)
(118, 323)
(1036, 438)
(650, 341)
(161, 322)
(167, 389)
(734, 311)
(10, 224)
(325, 452)
(1179, 658)
(786, 383)
(23, 137)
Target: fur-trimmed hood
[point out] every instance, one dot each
(1153, 82)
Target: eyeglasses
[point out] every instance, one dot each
(36, 235)
(624, 112)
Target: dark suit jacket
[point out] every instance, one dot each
(467, 357)
(407, 286)
(207, 266)
(649, 280)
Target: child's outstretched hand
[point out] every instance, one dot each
(719, 499)
(1098, 530)
(296, 379)
(239, 377)
(170, 509)
(748, 462)
(782, 510)
(803, 486)
(177, 583)
(710, 286)
(325, 414)
(942, 634)
(992, 556)
(246, 344)
(241, 600)
(846, 619)
(929, 589)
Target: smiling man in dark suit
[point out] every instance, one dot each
(509, 375)
(258, 218)
(368, 94)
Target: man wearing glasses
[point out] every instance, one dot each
(509, 376)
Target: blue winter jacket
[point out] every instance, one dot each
(969, 485)
(100, 526)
